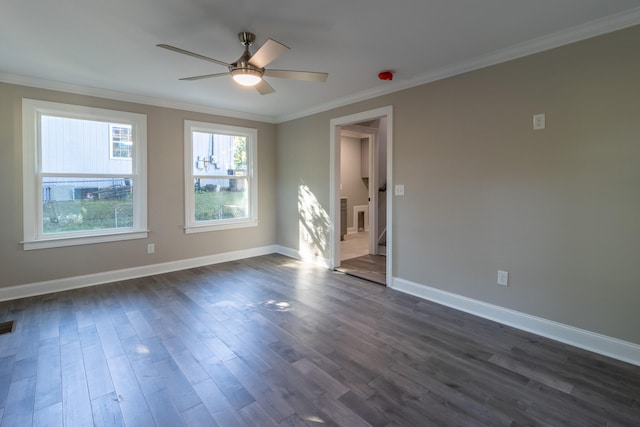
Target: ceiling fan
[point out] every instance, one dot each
(249, 69)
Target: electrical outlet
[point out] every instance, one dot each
(399, 190)
(151, 248)
(503, 278)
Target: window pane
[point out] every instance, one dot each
(84, 146)
(219, 154)
(121, 141)
(75, 204)
(219, 177)
(220, 199)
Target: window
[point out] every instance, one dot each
(220, 176)
(121, 141)
(84, 175)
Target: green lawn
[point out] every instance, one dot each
(97, 214)
(86, 214)
(220, 205)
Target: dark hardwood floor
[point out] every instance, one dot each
(271, 341)
(369, 267)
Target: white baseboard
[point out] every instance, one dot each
(608, 346)
(57, 285)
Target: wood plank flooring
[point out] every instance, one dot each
(354, 245)
(369, 267)
(271, 341)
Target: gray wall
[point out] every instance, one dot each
(558, 208)
(354, 188)
(165, 197)
(303, 168)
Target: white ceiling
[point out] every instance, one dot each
(108, 48)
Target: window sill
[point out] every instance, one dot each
(220, 226)
(56, 242)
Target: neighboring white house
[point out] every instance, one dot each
(214, 154)
(84, 146)
(106, 148)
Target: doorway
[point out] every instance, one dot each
(361, 229)
(360, 205)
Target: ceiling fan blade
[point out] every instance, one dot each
(205, 76)
(195, 55)
(269, 51)
(310, 76)
(264, 88)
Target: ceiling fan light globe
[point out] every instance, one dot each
(246, 77)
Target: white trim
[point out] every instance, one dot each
(33, 234)
(224, 224)
(116, 236)
(581, 338)
(374, 185)
(251, 135)
(67, 283)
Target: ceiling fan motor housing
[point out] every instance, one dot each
(242, 65)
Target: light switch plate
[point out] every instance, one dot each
(503, 278)
(399, 190)
(538, 121)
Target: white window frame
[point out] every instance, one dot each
(112, 142)
(34, 237)
(251, 134)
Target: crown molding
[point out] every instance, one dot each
(127, 97)
(581, 32)
(565, 37)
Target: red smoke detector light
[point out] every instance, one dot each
(385, 75)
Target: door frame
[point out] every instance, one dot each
(335, 126)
